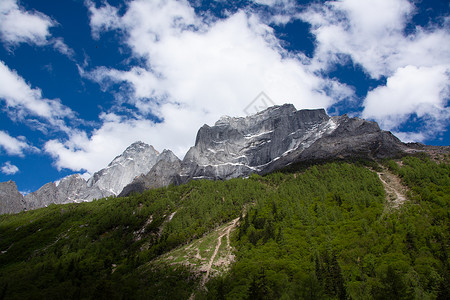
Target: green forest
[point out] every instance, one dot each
(325, 231)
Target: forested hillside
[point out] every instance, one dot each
(328, 231)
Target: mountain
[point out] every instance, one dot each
(271, 140)
(137, 159)
(279, 136)
(165, 172)
(234, 147)
(335, 230)
(11, 200)
(72, 188)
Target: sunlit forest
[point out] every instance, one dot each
(324, 231)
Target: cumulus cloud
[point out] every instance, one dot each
(9, 169)
(23, 102)
(195, 71)
(12, 145)
(372, 34)
(416, 65)
(31, 27)
(217, 68)
(103, 18)
(20, 26)
(422, 91)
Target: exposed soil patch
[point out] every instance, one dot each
(223, 260)
(395, 190)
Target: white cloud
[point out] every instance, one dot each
(12, 145)
(103, 18)
(22, 101)
(422, 91)
(20, 26)
(32, 27)
(372, 33)
(61, 47)
(416, 65)
(217, 67)
(280, 4)
(195, 72)
(9, 169)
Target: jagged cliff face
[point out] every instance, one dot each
(236, 147)
(70, 189)
(137, 159)
(11, 201)
(166, 171)
(233, 147)
(279, 136)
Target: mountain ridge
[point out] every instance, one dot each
(233, 147)
(332, 230)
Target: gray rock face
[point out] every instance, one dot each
(137, 159)
(70, 189)
(11, 201)
(165, 172)
(279, 136)
(236, 147)
(267, 141)
(233, 147)
(352, 138)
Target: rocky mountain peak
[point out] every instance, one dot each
(279, 136)
(232, 147)
(166, 171)
(137, 159)
(238, 146)
(167, 155)
(11, 200)
(133, 151)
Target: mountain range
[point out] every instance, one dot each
(234, 147)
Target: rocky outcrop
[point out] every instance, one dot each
(137, 159)
(279, 136)
(351, 138)
(236, 147)
(11, 200)
(166, 171)
(233, 147)
(70, 189)
(268, 141)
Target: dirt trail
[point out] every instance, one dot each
(395, 190)
(226, 231)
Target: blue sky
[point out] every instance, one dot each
(82, 80)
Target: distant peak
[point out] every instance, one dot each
(224, 120)
(168, 155)
(138, 144)
(285, 108)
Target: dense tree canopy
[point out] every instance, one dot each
(323, 232)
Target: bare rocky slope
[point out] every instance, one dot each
(270, 140)
(233, 147)
(11, 201)
(137, 159)
(279, 136)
